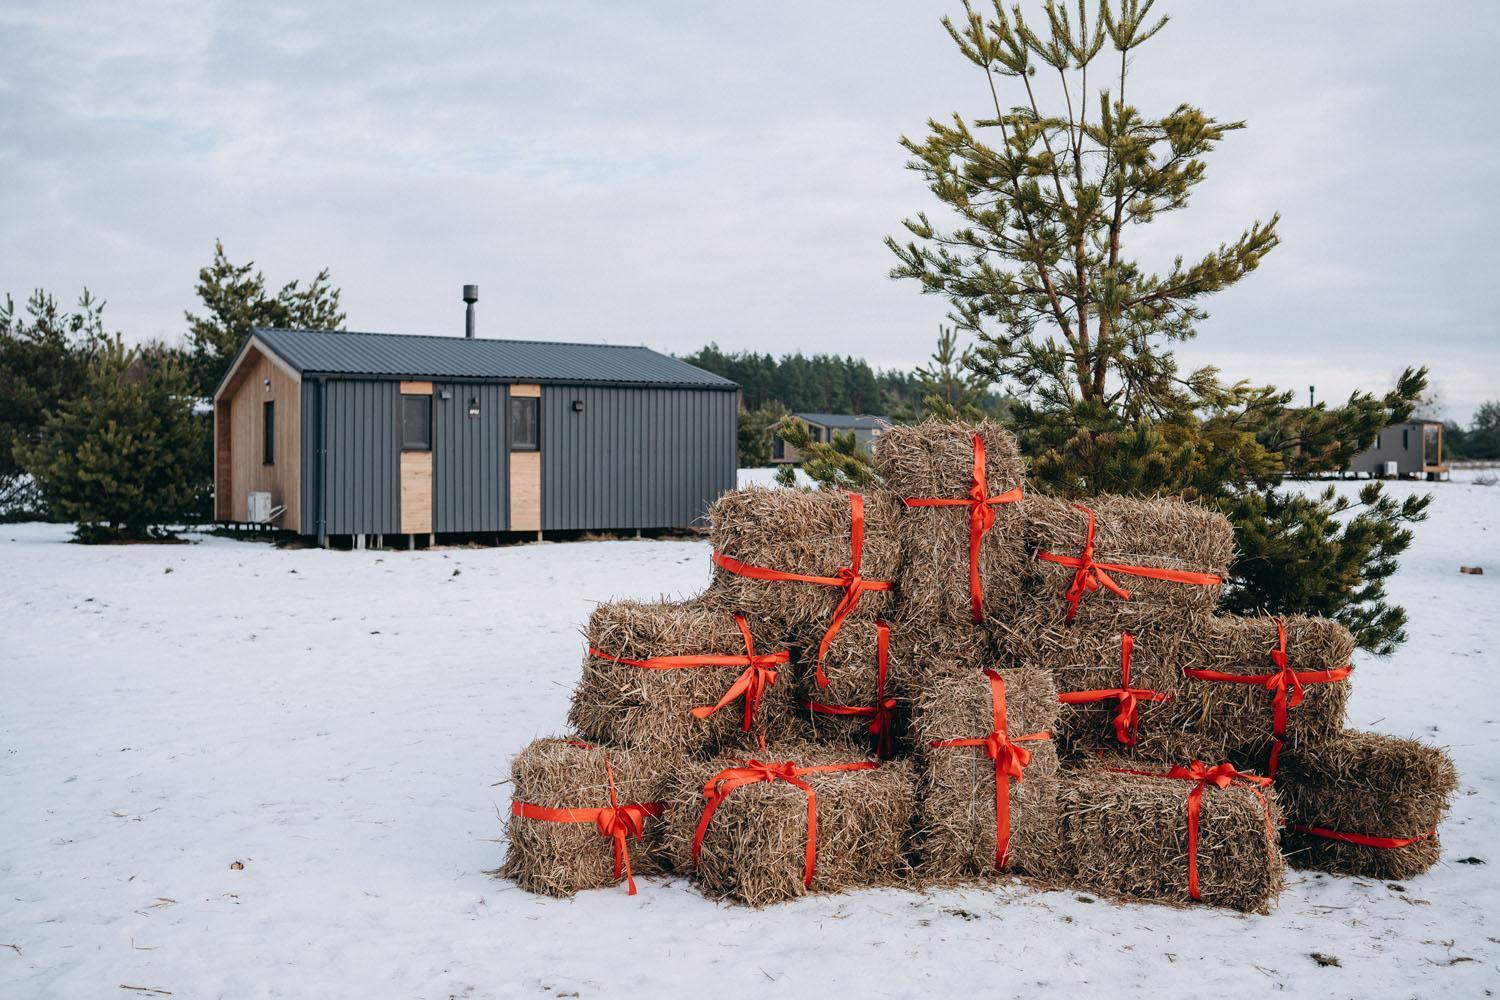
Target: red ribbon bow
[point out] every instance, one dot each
(1127, 709)
(751, 772)
(847, 578)
(1285, 685)
(615, 822)
(759, 674)
(1219, 776)
(882, 713)
(1092, 575)
(981, 519)
(1010, 762)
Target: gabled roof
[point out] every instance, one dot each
(846, 421)
(393, 355)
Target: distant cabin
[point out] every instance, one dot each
(359, 434)
(1410, 449)
(822, 427)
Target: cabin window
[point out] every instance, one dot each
(268, 433)
(416, 423)
(817, 435)
(524, 434)
(1405, 439)
(778, 447)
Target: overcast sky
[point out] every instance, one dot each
(671, 174)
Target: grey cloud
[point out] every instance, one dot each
(669, 174)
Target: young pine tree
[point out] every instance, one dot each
(235, 300)
(1046, 195)
(124, 457)
(44, 360)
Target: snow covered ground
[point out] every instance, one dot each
(336, 722)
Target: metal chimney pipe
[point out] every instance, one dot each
(471, 296)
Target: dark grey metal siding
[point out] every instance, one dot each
(468, 458)
(634, 458)
(311, 421)
(362, 488)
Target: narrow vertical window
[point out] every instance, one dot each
(268, 433)
(524, 430)
(416, 423)
(1405, 439)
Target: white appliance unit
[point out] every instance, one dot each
(1390, 470)
(258, 507)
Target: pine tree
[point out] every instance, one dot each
(951, 389)
(1482, 440)
(1038, 270)
(235, 299)
(44, 359)
(125, 457)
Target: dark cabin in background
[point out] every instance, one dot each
(359, 434)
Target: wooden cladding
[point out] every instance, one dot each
(525, 491)
(241, 445)
(416, 467)
(525, 474)
(416, 492)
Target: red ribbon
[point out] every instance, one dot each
(881, 714)
(981, 520)
(1220, 776)
(1363, 839)
(759, 674)
(616, 822)
(1127, 698)
(1285, 686)
(751, 772)
(1010, 762)
(1092, 575)
(847, 578)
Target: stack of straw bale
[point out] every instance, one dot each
(1102, 804)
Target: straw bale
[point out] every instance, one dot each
(1236, 720)
(936, 460)
(629, 706)
(1162, 533)
(754, 847)
(559, 859)
(1369, 784)
(1127, 836)
(807, 532)
(1088, 659)
(956, 833)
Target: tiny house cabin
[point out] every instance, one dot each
(357, 434)
(1410, 449)
(821, 427)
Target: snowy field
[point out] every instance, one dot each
(337, 723)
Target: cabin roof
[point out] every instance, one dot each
(846, 421)
(394, 355)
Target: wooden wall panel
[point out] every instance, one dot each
(525, 491)
(533, 391)
(223, 464)
(416, 492)
(245, 471)
(416, 388)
